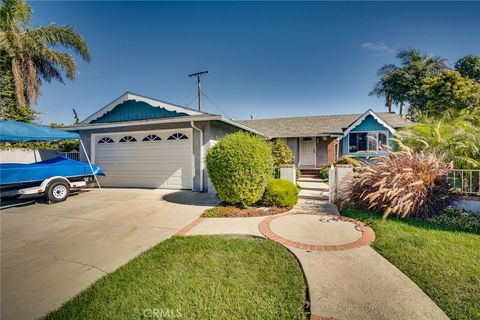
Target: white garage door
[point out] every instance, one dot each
(148, 159)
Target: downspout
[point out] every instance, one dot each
(201, 154)
(338, 148)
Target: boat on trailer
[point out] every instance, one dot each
(53, 177)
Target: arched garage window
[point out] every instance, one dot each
(106, 140)
(152, 137)
(178, 136)
(128, 139)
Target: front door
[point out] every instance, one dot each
(307, 152)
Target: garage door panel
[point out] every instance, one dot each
(164, 160)
(144, 153)
(149, 173)
(152, 164)
(164, 165)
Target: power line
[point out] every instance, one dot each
(216, 105)
(191, 100)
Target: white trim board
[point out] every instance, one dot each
(185, 119)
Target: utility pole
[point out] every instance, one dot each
(199, 85)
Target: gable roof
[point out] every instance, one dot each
(319, 125)
(130, 96)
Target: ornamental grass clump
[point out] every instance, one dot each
(404, 184)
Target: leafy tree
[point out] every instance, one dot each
(454, 136)
(28, 58)
(469, 66)
(449, 89)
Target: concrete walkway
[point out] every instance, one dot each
(347, 279)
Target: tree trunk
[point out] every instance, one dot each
(401, 109)
(388, 103)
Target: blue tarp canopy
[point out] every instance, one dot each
(60, 166)
(16, 131)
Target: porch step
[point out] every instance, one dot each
(309, 173)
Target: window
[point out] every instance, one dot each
(152, 137)
(106, 140)
(127, 139)
(177, 136)
(367, 141)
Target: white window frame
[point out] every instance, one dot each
(376, 132)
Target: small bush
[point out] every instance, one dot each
(349, 160)
(457, 219)
(280, 193)
(240, 165)
(282, 154)
(323, 174)
(404, 184)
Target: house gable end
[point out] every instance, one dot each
(130, 102)
(369, 124)
(369, 120)
(131, 110)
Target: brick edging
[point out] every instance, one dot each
(368, 236)
(189, 227)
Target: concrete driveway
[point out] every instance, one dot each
(49, 253)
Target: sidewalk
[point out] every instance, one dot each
(347, 279)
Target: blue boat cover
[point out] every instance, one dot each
(39, 171)
(16, 131)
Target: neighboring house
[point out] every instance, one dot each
(317, 141)
(144, 142)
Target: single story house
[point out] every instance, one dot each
(143, 142)
(317, 141)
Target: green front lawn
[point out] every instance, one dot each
(198, 277)
(443, 262)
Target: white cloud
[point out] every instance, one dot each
(379, 48)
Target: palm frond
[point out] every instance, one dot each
(60, 36)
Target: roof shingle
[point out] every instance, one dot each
(315, 125)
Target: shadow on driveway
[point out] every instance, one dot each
(192, 198)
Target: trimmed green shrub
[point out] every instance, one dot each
(349, 160)
(280, 193)
(240, 165)
(282, 154)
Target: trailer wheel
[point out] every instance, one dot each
(58, 191)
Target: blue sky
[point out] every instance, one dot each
(267, 59)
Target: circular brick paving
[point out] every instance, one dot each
(315, 232)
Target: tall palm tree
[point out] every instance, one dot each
(402, 84)
(411, 57)
(381, 89)
(30, 51)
